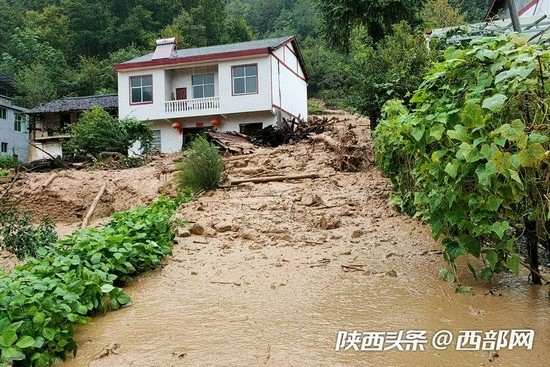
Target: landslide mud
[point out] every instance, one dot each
(271, 272)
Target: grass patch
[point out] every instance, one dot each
(200, 168)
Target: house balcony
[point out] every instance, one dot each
(192, 107)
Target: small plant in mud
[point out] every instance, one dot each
(201, 166)
(19, 235)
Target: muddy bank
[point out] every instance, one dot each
(64, 196)
(271, 272)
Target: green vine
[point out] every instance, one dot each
(472, 158)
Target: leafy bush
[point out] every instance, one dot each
(8, 161)
(201, 166)
(20, 235)
(42, 301)
(472, 157)
(96, 131)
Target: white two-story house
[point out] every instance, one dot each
(14, 136)
(235, 87)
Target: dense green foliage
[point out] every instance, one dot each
(339, 18)
(42, 301)
(472, 157)
(97, 132)
(8, 161)
(20, 235)
(68, 47)
(201, 166)
(393, 68)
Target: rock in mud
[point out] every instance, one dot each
(223, 227)
(357, 233)
(184, 232)
(196, 229)
(310, 199)
(329, 222)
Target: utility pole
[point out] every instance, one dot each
(514, 15)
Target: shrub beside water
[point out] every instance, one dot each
(18, 233)
(201, 166)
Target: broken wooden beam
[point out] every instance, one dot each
(273, 178)
(93, 206)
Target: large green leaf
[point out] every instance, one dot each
(494, 103)
(532, 156)
(25, 341)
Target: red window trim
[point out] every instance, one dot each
(130, 90)
(233, 79)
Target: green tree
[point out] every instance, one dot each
(441, 14)
(339, 18)
(35, 85)
(393, 68)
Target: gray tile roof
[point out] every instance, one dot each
(213, 50)
(66, 104)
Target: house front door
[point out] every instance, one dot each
(181, 93)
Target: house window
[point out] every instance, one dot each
(3, 147)
(203, 85)
(3, 113)
(20, 123)
(141, 89)
(245, 79)
(157, 140)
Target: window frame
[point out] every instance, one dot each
(203, 84)
(154, 142)
(244, 77)
(3, 147)
(20, 123)
(131, 94)
(3, 113)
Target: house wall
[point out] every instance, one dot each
(53, 147)
(18, 142)
(165, 82)
(260, 101)
(288, 83)
(146, 111)
(172, 140)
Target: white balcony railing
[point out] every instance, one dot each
(196, 104)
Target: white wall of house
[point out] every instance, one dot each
(288, 83)
(14, 141)
(171, 139)
(143, 111)
(52, 147)
(260, 101)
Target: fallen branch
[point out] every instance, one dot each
(49, 181)
(327, 140)
(273, 178)
(93, 206)
(354, 267)
(232, 283)
(54, 158)
(535, 271)
(10, 186)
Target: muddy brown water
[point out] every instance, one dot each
(282, 304)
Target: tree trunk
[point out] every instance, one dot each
(532, 250)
